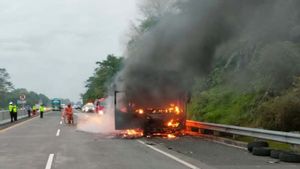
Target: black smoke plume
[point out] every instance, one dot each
(164, 61)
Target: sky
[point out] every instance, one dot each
(51, 46)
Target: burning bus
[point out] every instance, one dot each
(160, 118)
(151, 100)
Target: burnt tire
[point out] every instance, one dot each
(275, 153)
(289, 157)
(251, 145)
(261, 151)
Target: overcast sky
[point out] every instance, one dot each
(51, 46)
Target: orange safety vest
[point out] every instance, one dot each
(68, 110)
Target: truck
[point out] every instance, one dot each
(56, 104)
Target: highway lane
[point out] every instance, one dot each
(219, 155)
(28, 146)
(31, 145)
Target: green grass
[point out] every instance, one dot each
(222, 105)
(280, 146)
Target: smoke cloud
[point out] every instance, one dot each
(94, 123)
(164, 62)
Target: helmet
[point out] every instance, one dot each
(10, 103)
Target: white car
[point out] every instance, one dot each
(88, 108)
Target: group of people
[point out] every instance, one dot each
(33, 110)
(67, 114)
(13, 110)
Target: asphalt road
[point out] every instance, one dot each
(45, 143)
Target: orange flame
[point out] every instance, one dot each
(133, 133)
(173, 124)
(171, 136)
(140, 111)
(177, 110)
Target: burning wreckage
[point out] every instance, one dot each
(137, 118)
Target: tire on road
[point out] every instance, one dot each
(275, 153)
(251, 145)
(261, 151)
(289, 157)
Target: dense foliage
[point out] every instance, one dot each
(98, 84)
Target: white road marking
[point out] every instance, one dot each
(49, 162)
(57, 133)
(229, 145)
(60, 122)
(170, 156)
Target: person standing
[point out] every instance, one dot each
(42, 109)
(10, 108)
(69, 114)
(33, 110)
(15, 112)
(29, 110)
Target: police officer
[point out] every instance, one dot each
(15, 112)
(10, 108)
(42, 109)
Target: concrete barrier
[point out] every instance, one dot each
(5, 116)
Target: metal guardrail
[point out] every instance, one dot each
(285, 137)
(5, 116)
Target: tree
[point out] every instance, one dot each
(8, 93)
(151, 11)
(157, 8)
(5, 84)
(32, 98)
(98, 84)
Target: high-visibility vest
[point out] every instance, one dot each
(42, 108)
(33, 108)
(10, 108)
(15, 109)
(69, 110)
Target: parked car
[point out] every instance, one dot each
(89, 107)
(77, 107)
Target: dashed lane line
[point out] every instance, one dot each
(49, 162)
(191, 166)
(58, 132)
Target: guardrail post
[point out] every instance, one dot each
(216, 133)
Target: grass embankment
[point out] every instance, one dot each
(223, 105)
